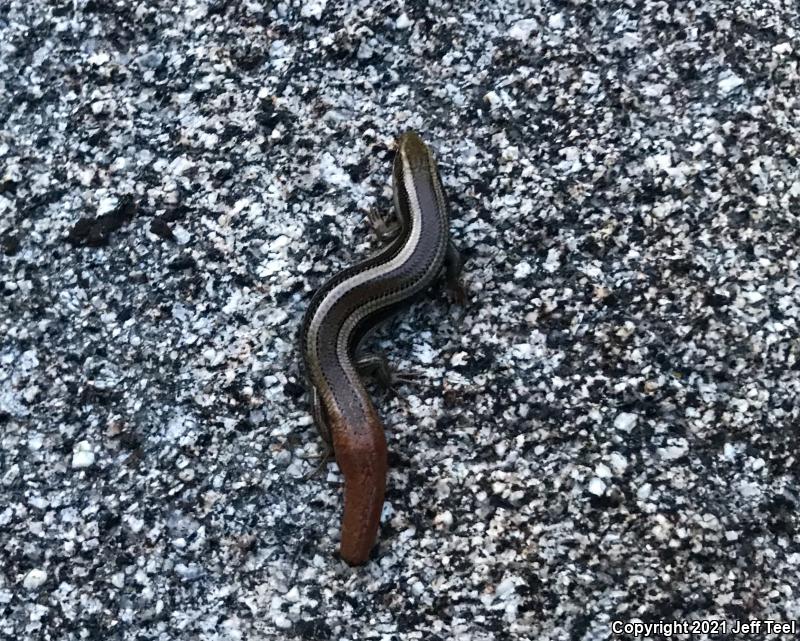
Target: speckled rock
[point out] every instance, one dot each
(606, 431)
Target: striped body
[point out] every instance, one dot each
(344, 310)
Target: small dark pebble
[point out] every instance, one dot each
(160, 228)
(95, 232)
(10, 243)
(182, 262)
(293, 390)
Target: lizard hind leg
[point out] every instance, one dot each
(320, 417)
(454, 265)
(321, 421)
(376, 366)
(386, 226)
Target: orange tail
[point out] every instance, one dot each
(363, 462)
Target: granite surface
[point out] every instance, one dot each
(607, 430)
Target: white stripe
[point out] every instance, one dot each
(374, 272)
(408, 250)
(357, 279)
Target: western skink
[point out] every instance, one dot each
(352, 303)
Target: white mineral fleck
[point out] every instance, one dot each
(151, 59)
(180, 165)
(597, 486)
(425, 353)
(34, 579)
(281, 621)
(182, 236)
(365, 51)
(276, 244)
(674, 451)
(313, 8)
(106, 205)
(729, 82)
(522, 29)
(618, 462)
(748, 489)
(332, 172)
(492, 98)
(522, 270)
(625, 421)
(82, 455)
(99, 58)
(553, 260)
(506, 587)
(445, 519)
(556, 21)
(602, 471)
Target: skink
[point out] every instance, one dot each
(352, 303)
